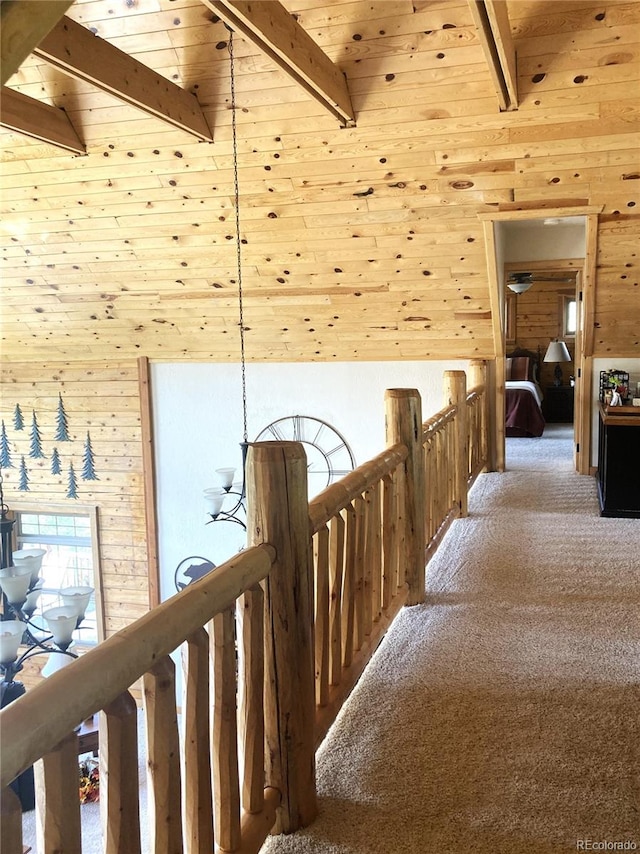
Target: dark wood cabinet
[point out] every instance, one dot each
(619, 462)
(557, 404)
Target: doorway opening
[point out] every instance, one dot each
(541, 272)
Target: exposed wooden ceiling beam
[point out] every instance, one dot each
(276, 33)
(24, 23)
(76, 51)
(33, 118)
(492, 22)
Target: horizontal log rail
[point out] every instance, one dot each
(99, 681)
(272, 643)
(82, 688)
(339, 495)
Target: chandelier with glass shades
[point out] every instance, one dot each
(25, 630)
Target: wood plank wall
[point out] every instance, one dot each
(101, 398)
(361, 243)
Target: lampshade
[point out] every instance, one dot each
(11, 632)
(61, 622)
(557, 352)
(226, 477)
(32, 598)
(15, 581)
(55, 662)
(213, 499)
(77, 598)
(31, 558)
(519, 287)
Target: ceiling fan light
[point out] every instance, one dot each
(519, 287)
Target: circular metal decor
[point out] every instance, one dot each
(329, 456)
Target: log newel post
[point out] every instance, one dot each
(455, 393)
(278, 513)
(403, 418)
(477, 378)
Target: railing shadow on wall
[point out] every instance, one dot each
(285, 628)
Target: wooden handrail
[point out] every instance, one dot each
(336, 497)
(81, 689)
(438, 421)
(331, 574)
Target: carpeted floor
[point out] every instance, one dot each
(501, 717)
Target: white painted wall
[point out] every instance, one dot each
(198, 427)
(632, 366)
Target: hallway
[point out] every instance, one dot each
(501, 717)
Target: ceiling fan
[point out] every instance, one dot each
(519, 282)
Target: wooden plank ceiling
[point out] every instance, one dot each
(358, 242)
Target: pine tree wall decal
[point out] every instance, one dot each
(23, 478)
(62, 427)
(18, 420)
(35, 450)
(88, 461)
(5, 450)
(72, 483)
(56, 465)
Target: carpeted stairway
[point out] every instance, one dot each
(501, 717)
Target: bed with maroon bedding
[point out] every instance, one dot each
(523, 415)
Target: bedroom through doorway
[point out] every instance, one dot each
(530, 248)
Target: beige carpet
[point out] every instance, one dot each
(502, 717)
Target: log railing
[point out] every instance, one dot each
(359, 580)
(285, 628)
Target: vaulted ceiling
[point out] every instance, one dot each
(370, 137)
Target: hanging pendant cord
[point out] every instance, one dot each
(238, 240)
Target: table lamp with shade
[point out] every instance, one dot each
(557, 352)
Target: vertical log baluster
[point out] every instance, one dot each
(398, 488)
(251, 616)
(226, 779)
(198, 812)
(349, 591)
(359, 508)
(336, 573)
(10, 822)
(375, 545)
(367, 562)
(119, 789)
(163, 757)
(321, 560)
(390, 581)
(57, 801)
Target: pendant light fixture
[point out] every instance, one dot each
(217, 497)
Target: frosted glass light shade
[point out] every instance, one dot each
(519, 287)
(213, 499)
(15, 581)
(226, 477)
(32, 599)
(61, 622)
(77, 598)
(11, 632)
(31, 558)
(55, 662)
